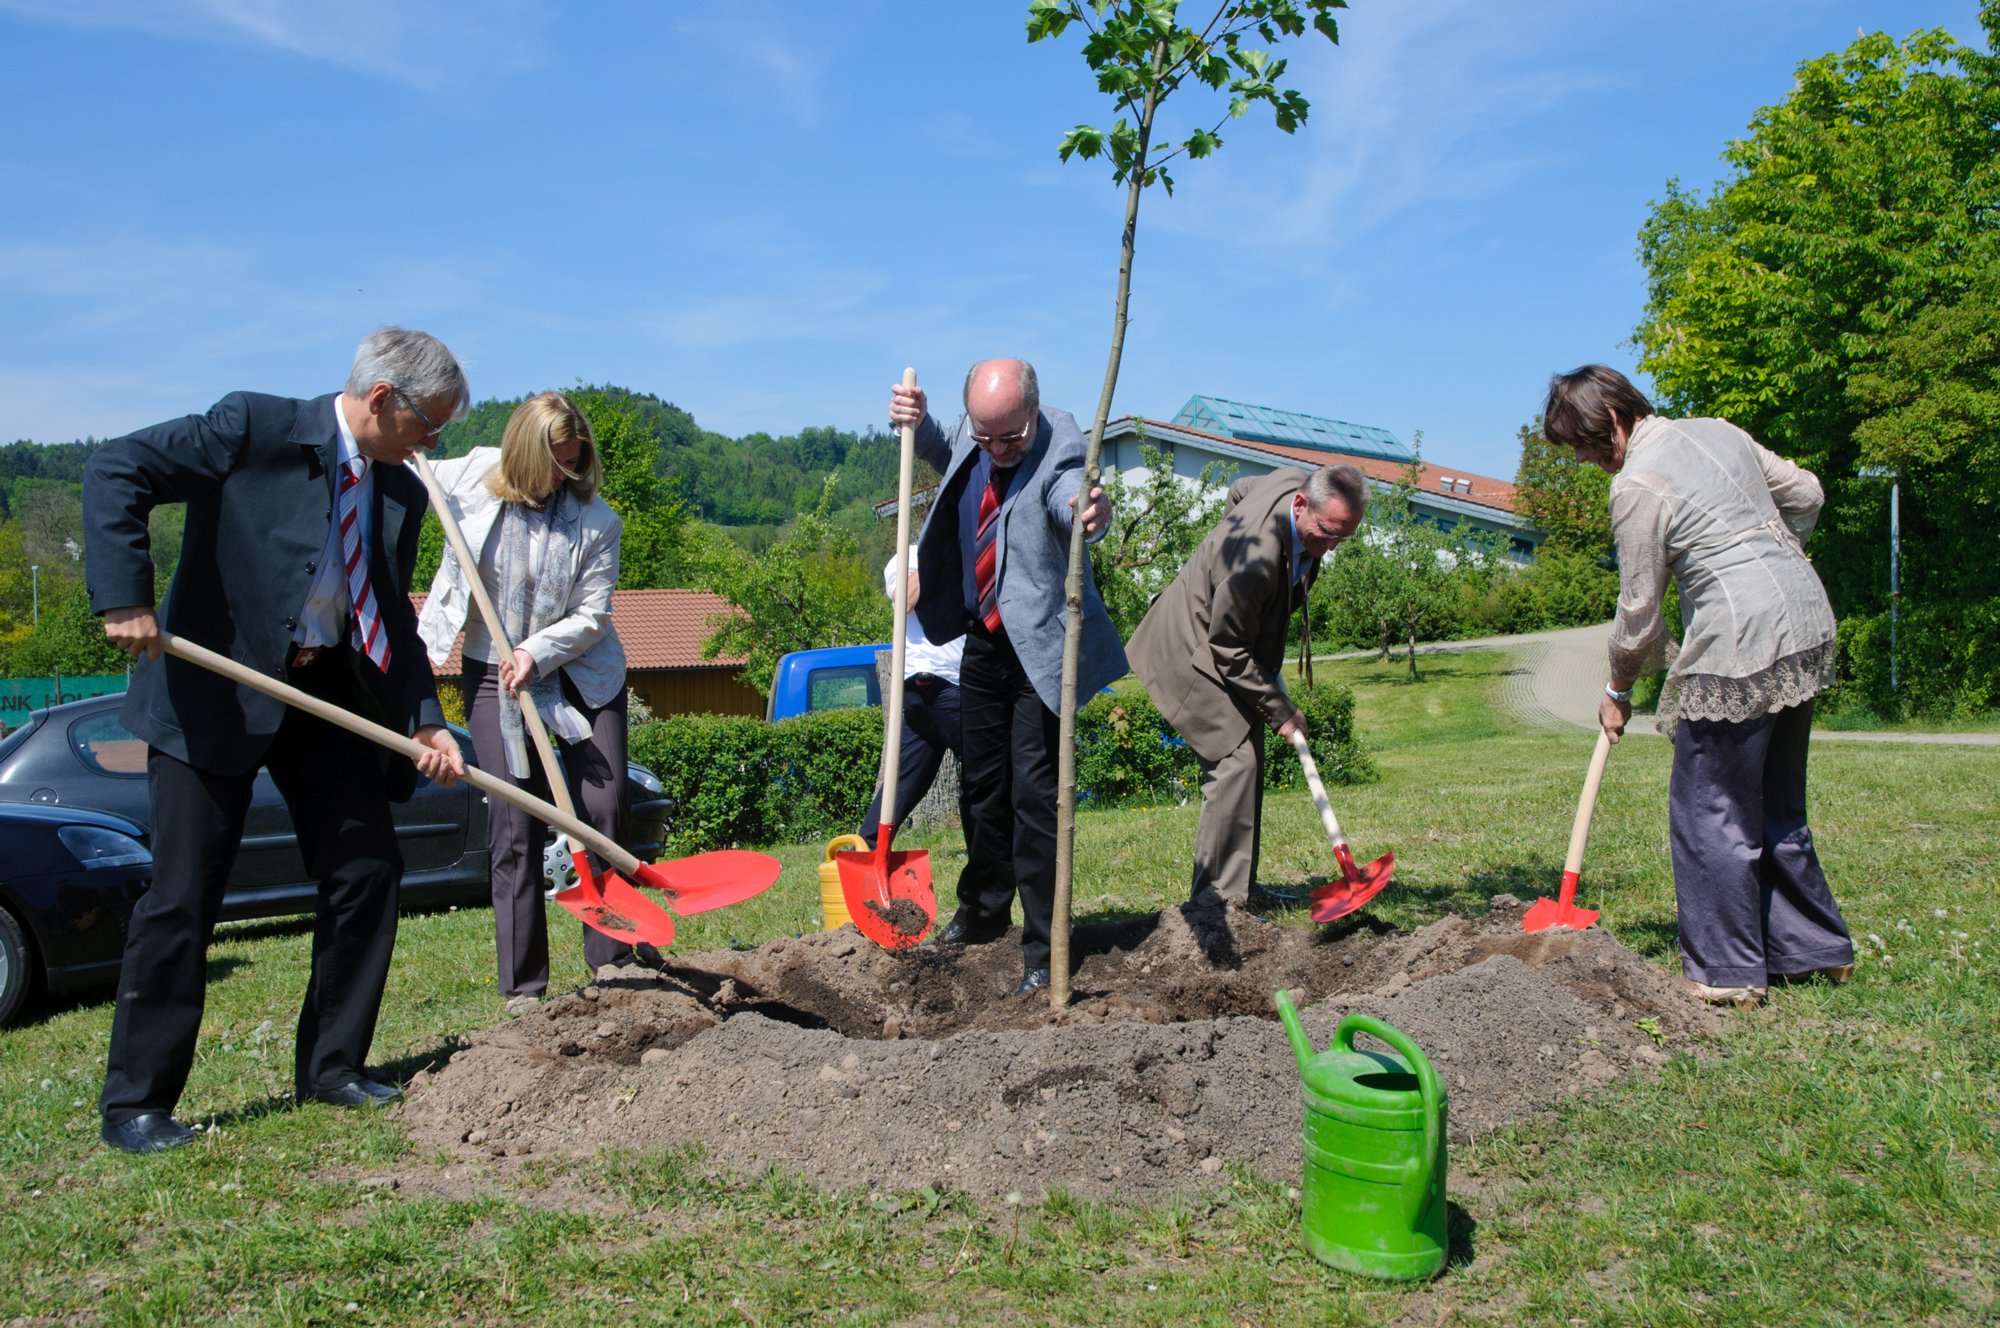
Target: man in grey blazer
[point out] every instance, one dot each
(1211, 647)
(992, 559)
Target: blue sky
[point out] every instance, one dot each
(762, 212)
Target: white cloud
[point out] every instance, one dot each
(427, 44)
(791, 75)
(1412, 111)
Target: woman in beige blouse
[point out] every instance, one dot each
(1702, 502)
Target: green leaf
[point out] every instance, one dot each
(1084, 141)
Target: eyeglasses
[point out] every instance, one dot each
(1019, 435)
(430, 430)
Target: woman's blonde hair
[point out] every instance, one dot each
(527, 471)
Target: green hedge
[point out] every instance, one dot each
(732, 780)
(1947, 662)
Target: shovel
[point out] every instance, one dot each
(692, 885)
(1357, 885)
(586, 898)
(888, 894)
(1562, 910)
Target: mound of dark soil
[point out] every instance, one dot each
(856, 1065)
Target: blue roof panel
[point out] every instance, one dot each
(1236, 419)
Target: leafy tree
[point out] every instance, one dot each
(1401, 572)
(69, 639)
(810, 589)
(1155, 529)
(1142, 55)
(1854, 234)
(1571, 503)
(654, 514)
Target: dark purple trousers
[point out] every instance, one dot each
(1752, 899)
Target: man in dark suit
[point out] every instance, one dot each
(301, 535)
(1211, 648)
(992, 559)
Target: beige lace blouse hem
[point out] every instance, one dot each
(1701, 502)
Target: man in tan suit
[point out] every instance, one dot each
(1211, 647)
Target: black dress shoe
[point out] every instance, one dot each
(150, 1132)
(360, 1093)
(1032, 981)
(962, 930)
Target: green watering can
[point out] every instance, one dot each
(1373, 1200)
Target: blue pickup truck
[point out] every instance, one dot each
(835, 678)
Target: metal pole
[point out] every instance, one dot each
(1895, 569)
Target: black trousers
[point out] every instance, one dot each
(514, 839)
(1010, 793)
(332, 783)
(1748, 888)
(932, 725)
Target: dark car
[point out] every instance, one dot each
(68, 880)
(81, 755)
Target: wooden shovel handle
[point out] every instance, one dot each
(1579, 832)
(1320, 800)
(538, 735)
(892, 715)
(203, 657)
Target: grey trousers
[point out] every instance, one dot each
(1226, 840)
(1752, 899)
(596, 771)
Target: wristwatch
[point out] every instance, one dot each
(1622, 698)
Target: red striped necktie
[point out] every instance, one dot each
(366, 635)
(986, 549)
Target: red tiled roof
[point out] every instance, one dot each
(1485, 491)
(660, 629)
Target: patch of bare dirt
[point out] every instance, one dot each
(855, 1065)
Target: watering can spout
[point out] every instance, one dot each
(1289, 1017)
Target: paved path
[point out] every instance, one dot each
(1556, 677)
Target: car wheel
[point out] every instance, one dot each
(17, 967)
(558, 870)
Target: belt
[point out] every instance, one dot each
(928, 680)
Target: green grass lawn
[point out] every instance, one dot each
(1831, 1159)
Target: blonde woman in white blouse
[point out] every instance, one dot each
(547, 546)
(1702, 502)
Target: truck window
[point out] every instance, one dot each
(840, 687)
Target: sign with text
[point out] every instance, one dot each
(21, 696)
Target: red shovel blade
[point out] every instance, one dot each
(1559, 912)
(1336, 899)
(888, 893)
(710, 880)
(612, 906)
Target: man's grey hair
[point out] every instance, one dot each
(1031, 387)
(1344, 482)
(415, 363)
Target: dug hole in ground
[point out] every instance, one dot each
(827, 1056)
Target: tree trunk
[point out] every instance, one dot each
(1306, 641)
(1413, 651)
(1073, 583)
(1386, 640)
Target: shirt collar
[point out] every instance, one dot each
(1299, 558)
(347, 451)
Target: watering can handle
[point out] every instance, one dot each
(1420, 1065)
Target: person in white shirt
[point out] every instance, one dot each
(547, 546)
(930, 713)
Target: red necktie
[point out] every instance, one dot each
(986, 551)
(366, 635)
